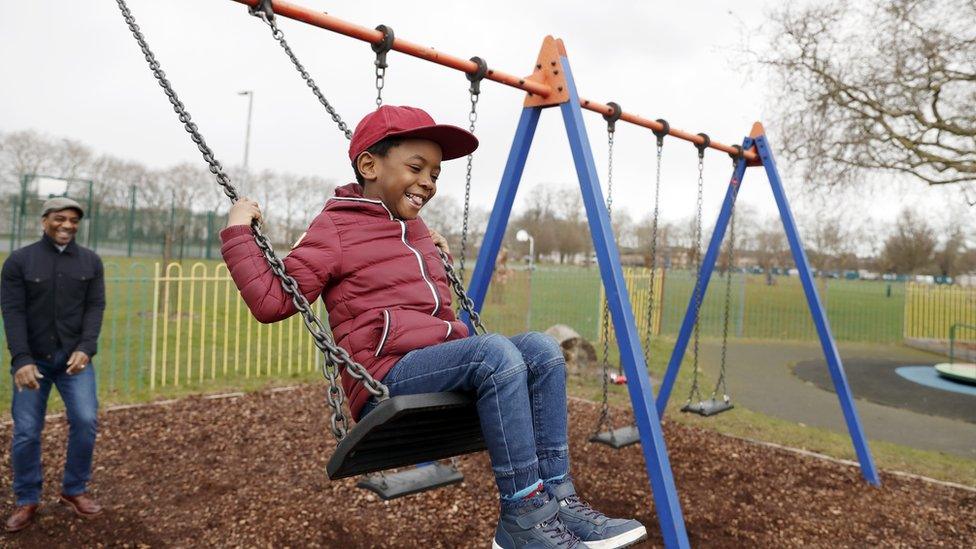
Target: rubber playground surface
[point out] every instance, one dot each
(250, 471)
(899, 384)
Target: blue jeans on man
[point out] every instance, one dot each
(28, 410)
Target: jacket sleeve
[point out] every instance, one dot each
(312, 263)
(91, 322)
(13, 302)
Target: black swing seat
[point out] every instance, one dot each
(407, 430)
(709, 407)
(618, 438)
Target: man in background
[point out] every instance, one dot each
(52, 295)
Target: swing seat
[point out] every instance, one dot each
(407, 430)
(618, 438)
(710, 407)
(411, 481)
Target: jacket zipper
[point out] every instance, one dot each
(403, 238)
(420, 262)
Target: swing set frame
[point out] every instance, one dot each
(550, 85)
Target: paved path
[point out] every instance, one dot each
(761, 378)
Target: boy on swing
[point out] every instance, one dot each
(376, 265)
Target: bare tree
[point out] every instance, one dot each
(880, 85)
(910, 248)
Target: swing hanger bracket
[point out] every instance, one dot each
(663, 132)
(706, 141)
(612, 116)
(476, 76)
(263, 10)
(383, 46)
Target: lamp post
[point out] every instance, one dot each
(523, 236)
(247, 134)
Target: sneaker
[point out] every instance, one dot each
(535, 525)
(593, 528)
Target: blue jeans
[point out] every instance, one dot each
(28, 410)
(520, 385)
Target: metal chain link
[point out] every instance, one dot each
(605, 414)
(466, 303)
(730, 255)
(280, 37)
(382, 48)
(335, 357)
(698, 281)
(380, 82)
(472, 117)
(649, 319)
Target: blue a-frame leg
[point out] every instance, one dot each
(813, 301)
(648, 423)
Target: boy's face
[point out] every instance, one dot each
(405, 179)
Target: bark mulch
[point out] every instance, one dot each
(250, 472)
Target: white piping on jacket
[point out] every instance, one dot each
(449, 329)
(386, 332)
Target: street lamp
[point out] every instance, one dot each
(522, 235)
(247, 134)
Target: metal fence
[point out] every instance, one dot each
(185, 326)
(931, 311)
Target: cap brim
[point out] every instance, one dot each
(455, 142)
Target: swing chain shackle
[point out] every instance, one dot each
(382, 48)
(262, 9)
(611, 117)
(706, 141)
(663, 132)
(475, 77)
(335, 357)
(737, 155)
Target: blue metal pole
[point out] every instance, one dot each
(704, 274)
(502, 209)
(819, 317)
(665, 493)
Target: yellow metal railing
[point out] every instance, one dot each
(638, 281)
(930, 311)
(201, 330)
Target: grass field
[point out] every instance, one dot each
(221, 348)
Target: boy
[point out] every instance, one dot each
(376, 264)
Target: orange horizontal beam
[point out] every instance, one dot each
(352, 30)
(334, 24)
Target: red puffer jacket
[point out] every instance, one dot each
(381, 278)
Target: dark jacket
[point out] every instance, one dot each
(382, 280)
(51, 301)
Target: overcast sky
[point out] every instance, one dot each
(72, 69)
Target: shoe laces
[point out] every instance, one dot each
(558, 532)
(576, 504)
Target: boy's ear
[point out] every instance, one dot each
(367, 165)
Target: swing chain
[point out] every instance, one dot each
(730, 264)
(265, 12)
(649, 319)
(475, 91)
(382, 48)
(605, 415)
(695, 392)
(335, 356)
(464, 301)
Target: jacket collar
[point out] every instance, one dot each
(69, 249)
(350, 197)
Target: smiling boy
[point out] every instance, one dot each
(376, 264)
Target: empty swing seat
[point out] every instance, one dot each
(618, 438)
(407, 430)
(708, 407)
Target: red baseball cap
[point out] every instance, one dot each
(407, 122)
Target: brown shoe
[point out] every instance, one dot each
(83, 505)
(22, 517)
